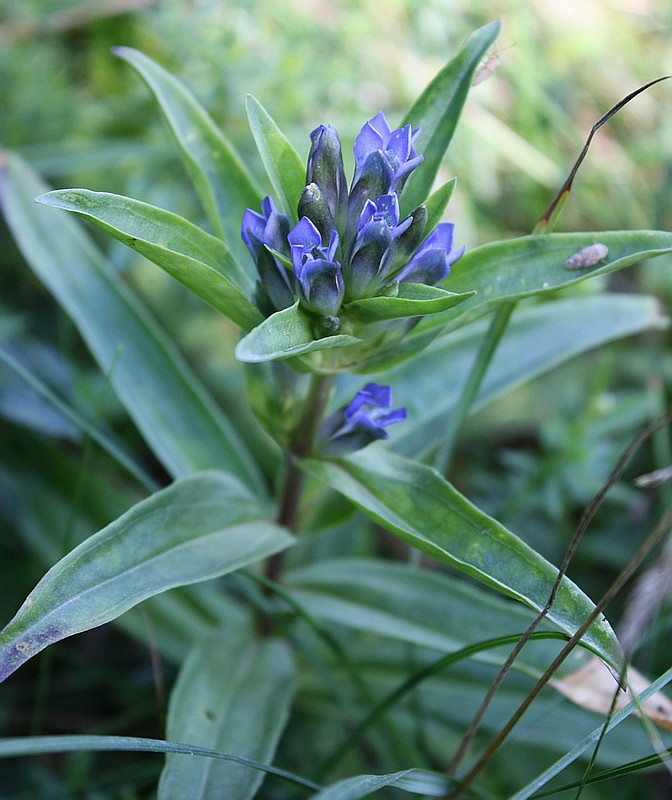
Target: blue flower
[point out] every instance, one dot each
(367, 264)
(318, 274)
(359, 423)
(275, 289)
(431, 263)
(397, 146)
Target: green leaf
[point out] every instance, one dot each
(415, 781)
(414, 502)
(96, 432)
(169, 405)
(436, 204)
(359, 786)
(591, 741)
(35, 745)
(412, 300)
(196, 259)
(501, 272)
(538, 339)
(285, 334)
(222, 182)
(409, 604)
(283, 165)
(438, 109)
(200, 527)
(233, 695)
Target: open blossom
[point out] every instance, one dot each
(319, 277)
(359, 423)
(397, 146)
(431, 263)
(348, 245)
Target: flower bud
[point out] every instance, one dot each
(325, 168)
(326, 326)
(367, 259)
(275, 284)
(313, 205)
(375, 180)
(321, 287)
(275, 289)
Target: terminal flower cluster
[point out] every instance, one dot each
(348, 244)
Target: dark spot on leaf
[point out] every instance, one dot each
(210, 714)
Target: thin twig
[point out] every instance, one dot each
(567, 185)
(624, 576)
(584, 522)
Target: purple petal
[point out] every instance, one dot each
(400, 143)
(440, 237)
(253, 224)
(366, 142)
(304, 233)
(380, 123)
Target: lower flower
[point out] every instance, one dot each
(359, 423)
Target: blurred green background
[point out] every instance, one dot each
(81, 117)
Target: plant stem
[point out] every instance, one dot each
(301, 445)
(471, 387)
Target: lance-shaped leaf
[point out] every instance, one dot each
(233, 695)
(200, 527)
(502, 272)
(415, 781)
(287, 333)
(414, 502)
(406, 603)
(167, 402)
(283, 165)
(197, 260)
(412, 300)
(539, 338)
(222, 182)
(438, 109)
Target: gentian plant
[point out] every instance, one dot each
(327, 281)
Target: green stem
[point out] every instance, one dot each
(301, 445)
(471, 387)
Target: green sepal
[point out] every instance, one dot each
(412, 300)
(287, 333)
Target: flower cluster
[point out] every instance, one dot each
(359, 423)
(347, 245)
